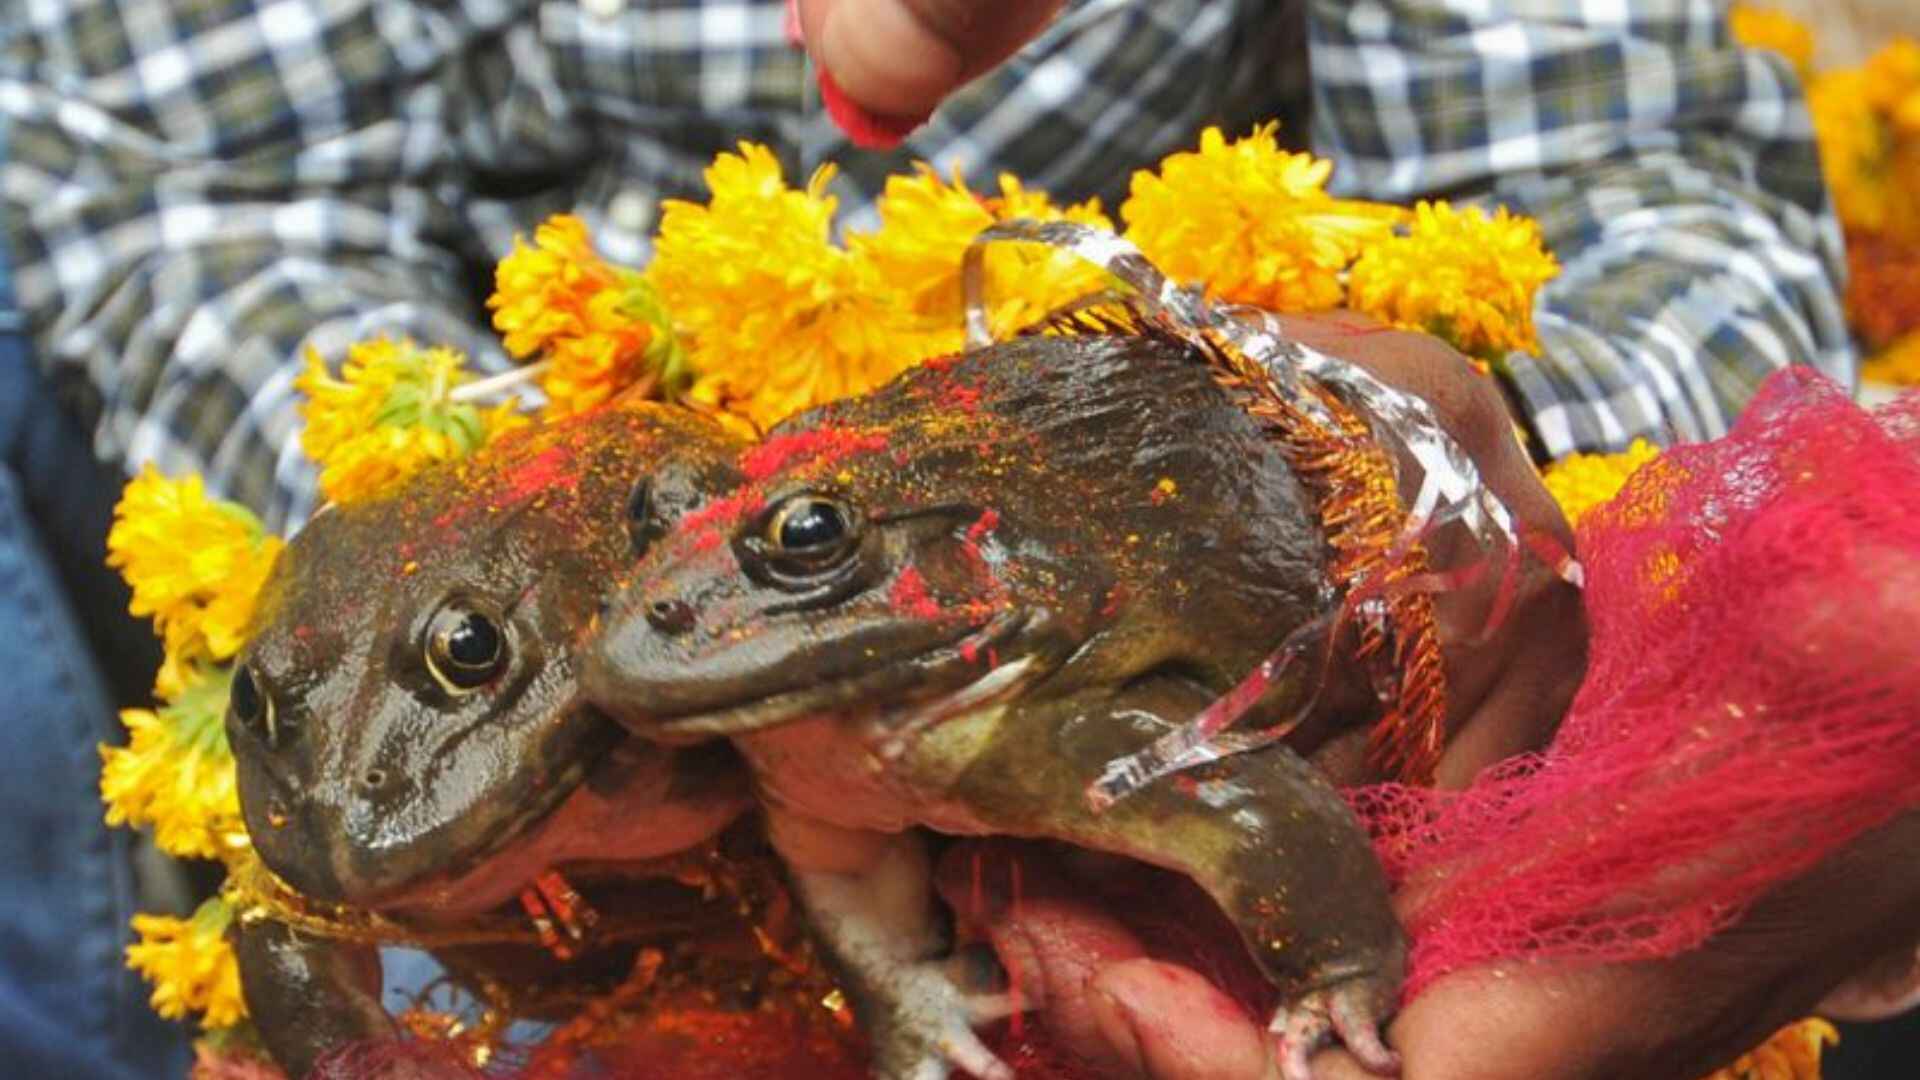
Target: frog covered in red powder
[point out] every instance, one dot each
(948, 604)
(411, 740)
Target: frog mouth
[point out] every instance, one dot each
(505, 856)
(930, 674)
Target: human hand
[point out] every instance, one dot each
(1507, 693)
(903, 57)
(1103, 993)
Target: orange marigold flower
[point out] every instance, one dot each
(1252, 222)
(1898, 364)
(1883, 288)
(1792, 1053)
(599, 327)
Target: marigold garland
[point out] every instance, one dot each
(1580, 482)
(1253, 222)
(777, 317)
(1464, 276)
(1867, 121)
(391, 411)
(176, 772)
(191, 966)
(599, 327)
(926, 224)
(194, 565)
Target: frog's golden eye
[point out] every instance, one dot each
(464, 649)
(810, 528)
(253, 707)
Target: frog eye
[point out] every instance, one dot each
(811, 528)
(253, 708)
(464, 649)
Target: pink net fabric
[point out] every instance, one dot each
(1752, 701)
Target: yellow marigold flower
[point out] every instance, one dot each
(1770, 28)
(1892, 75)
(176, 772)
(1898, 363)
(389, 413)
(190, 964)
(193, 564)
(1792, 1053)
(1580, 482)
(777, 318)
(1460, 275)
(1251, 221)
(926, 225)
(599, 326)
(1856, 147)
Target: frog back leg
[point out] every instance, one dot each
(1263, 833)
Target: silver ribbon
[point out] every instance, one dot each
(1450, 488)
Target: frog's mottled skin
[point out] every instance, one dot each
(366, 778)
(928, 607)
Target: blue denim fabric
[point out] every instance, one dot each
(68, 1006)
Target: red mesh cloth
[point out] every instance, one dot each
(1753, 701)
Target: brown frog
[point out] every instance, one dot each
(939, 605)
(407, 725)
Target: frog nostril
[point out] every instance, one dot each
(373, 780)
(670, 616)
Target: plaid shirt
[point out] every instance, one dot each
(201, 189)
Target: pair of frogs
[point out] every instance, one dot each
(943, 606)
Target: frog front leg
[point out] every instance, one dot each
(308, 996)
(869, 900)
(1263, 833)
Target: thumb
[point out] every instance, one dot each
(902, 57)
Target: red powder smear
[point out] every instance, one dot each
(909, 595)
(964, 398)
(989, 521)
(969, 651)
(550, 468)
(822, 447)
(724, 511)
(942, 363)
(1111, 608)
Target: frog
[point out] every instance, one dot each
(408, 733)
(924, 610)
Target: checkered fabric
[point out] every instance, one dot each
(200, 190)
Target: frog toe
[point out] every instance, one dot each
(929, 1031)
(1349, 1014)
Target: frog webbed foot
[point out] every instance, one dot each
(1348, 1013)
(922, 1025)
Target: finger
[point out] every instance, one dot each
(1049, 942)
(902, 57)
(1167, 1022)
